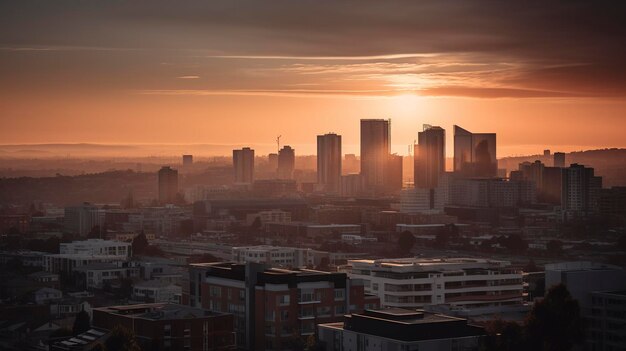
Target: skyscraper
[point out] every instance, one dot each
(559, 159)
(329, 162)
(168, 185)
(475, 153)
(429, 157)
(375, 151)
(286, 162)
(393, 178)
(187, 160)
(243, 165)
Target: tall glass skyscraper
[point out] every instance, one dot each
(329, 162)
(475, 153)
(375, 151)
(429, 157)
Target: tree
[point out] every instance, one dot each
(82, 323)
(140, 244)
(122, 339)
(504, 336)
(256, 224)
(406, 241)
(554, 324)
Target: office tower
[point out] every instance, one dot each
(394, 173)
(187, 160)
(559, 159)
(429, 157)
(546, 152)
(243, 165)
(475, 153)
(168, 185)
(329, 162)
(375, 151)
(286, 162)
(580, 195)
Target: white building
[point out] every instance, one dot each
(96, 247)
(274, 256)
(156, 291)
(460, 283)
(95, 275)
(57, 263)
(45, 295)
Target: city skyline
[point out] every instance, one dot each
(140, 82)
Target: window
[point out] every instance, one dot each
(340, 294)
(215, 291)
(282, 300)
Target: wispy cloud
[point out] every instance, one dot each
(188, 77)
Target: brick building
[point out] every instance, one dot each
(166, 326)
(274, 308)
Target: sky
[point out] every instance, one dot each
(545, 74)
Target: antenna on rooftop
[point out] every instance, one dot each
(278, 142)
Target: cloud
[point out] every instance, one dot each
(188, 77)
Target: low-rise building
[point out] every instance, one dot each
(274, 256)
(166, 326)
(156, 291)
(97, 275)
(97, 247)
(400, 329)
(461, 283)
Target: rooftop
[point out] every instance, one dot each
(158, 311)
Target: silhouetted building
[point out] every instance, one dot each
(491, 192)
(187, 161)
(551, 189)
(272, 160)
(613, 201)
(400, 329)
(429, 157)
(559, 159)
(243, 165)
(350, 164)
(375, 151)
(580, 194)
(286, 162)
(329, 162)
(475, 153)
(274, 187)
(168, 185)
(394, 173)
(546, 152)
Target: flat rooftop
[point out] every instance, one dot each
(158, 311)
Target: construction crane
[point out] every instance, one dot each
(278, 143)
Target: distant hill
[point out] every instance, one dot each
(608, 163)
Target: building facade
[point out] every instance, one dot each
(461, 283)
(375, 151)
(286, 162)
(429, 157)
(243, 165)
(329, 162)
(475, 153)
(168, 185)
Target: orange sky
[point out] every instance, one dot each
(198, 72)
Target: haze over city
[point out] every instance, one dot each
(312, 175)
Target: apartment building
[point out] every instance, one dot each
(274, 307)
(96, 247)
(460, 283)
(274, 256)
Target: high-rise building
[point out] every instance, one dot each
(394, 173)
(272, 161)
(475, 153)
(286, 162)
(243, 165)
(350, 164)
(429, 157)
(168, 185)
(559, 159)
(375, 151)
(580, 195)
(546, 152)
(187, 160)
(329, 162)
